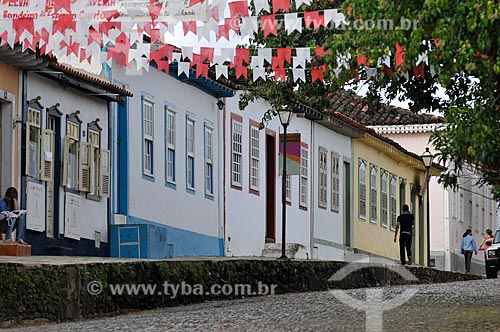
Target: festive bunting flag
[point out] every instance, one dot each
(317, 73)
(400, 55)
(285, 54)
(281, 4)
(221, 70)
(249, 26)
(279, 74)
(261, 6)
(419, 71)
(314, 18)
(266, 54)
(183, 68)
(269, 25)
(241, 71)
(293, 23)
(259, 73)
(299, 75)
(238, 8)
(189, 27)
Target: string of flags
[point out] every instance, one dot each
(103, 31)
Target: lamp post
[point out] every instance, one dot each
(285, 115)
(427, 159)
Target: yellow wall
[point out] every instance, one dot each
(9, 81)
(373, 237)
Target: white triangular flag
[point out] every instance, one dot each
(422, 58)
(300, 2)
(220, 70)
(183, 68)
(304, 52)
(227, 54)
(259, 72)
(176, 57)
(249, 26)
(261, 5)
(299, 62)
(207, 28)
(266, 54)
(187, 52)
(371, 72)
(299, 74)
(256, 62)
(292, 23)
(337, 18)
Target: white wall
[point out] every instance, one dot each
(245, 211)
(328, 224)
(150, 199)
(93, 214)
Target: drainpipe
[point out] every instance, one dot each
(312, 206)
(112, 165)
(22, 108)
(221, 175)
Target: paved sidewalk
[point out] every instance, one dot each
(71, 260)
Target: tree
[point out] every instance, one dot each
(449, 43)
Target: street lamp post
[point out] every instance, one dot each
(427, 159)
(285, 115)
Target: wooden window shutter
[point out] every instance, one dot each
(105, 179)
(47, 155)
(85, 159)
(65, 161)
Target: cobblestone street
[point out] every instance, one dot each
(459, 306)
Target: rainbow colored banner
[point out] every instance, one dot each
(293, 146)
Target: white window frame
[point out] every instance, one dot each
(384, 197)
(236, 153)
(254, 158)
(33, 149)
(148, 136)
(362, 167)
(322, 178)
(335, 182)
(304, 176)
(393, 200)
(288, 189)
(209, 160)
(373, 193)
(170, 140)
(94, 139)
(72, 139)
(190, 153)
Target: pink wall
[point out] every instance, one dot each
(416, 143)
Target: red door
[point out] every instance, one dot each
(270, 188)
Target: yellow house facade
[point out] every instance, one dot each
(386, 176)
(10, 130)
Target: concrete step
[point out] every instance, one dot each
(292, 250)
(14, 249)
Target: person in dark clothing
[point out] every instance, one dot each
(405, 224)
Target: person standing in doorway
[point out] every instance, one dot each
(405, 224)
(467, 247)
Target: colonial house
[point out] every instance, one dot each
(10, 130)
(169, 193)
(318, 193)
(386, 177)
(66, 159)
(451, 212)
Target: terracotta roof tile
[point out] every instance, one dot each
(355, 107)
(92, 79)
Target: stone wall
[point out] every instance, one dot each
(53, 293)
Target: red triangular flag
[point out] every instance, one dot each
(362, 60)
(207, 53)
(279, 73)
(281, 4)
(63, 23)
(285, 54)
(419, 71)
(189, 26)
(163, 65)
(154, 10)
(317, 73)
(202, 70)
(315, 18)
(269, 25)
(400, 55)
(243, 54)
(223, 32)
(241, 71)
(238, 8)
(194, 2)
(277, 62)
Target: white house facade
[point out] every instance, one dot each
(66, 160)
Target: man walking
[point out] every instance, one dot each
(405, 222)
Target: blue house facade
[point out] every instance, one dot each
(168, 197)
